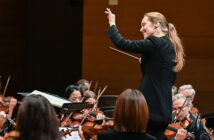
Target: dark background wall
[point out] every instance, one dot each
(40, 44)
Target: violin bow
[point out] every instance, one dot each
(124, 53)
(181, 109)
(63, 123)
(95, 87)
(5, 89)
(90, 83)
(94, 103)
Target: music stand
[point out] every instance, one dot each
(72, 107)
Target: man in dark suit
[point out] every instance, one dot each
(192, 126)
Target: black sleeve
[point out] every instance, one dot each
(100, 136)
(138, 46)
(202, 133)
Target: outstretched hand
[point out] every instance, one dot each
(110, 16)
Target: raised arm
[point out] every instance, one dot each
(139, 46)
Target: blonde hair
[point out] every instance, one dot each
(170, 31)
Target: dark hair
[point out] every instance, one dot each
(70, 89)
(82, 84)
(36, 119)
(131, 105)
(82, 81)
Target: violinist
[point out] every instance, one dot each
(2, 123)
(90, 97)
(188, 91)
(36, 120)
(187, 120)
(84, 85)
(5, 123)
(174, 90)
(73, 93)
(130, 118)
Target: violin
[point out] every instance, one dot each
(67, 131)
(172, 129)
(5, 102)
(12, 135)
(90, 129)
(66, 121)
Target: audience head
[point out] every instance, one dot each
(131, 105)
(36, 119)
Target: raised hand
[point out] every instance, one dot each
(110, 16)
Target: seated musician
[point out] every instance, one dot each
(130, 118)
(73, 93)
(36, 120)
(190, 122)
(2, 123)
(5, 123)
(188, 91)
(90, 97)
(84, 85)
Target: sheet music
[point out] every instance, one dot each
(74, 135)
(55, 101)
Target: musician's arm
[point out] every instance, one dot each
(138, 46)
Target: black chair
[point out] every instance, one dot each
(107, 104)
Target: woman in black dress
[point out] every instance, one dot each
(162, 57)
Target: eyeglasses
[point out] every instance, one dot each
(178, 109)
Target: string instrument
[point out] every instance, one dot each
(5, 101)
(195, 112)
(91, 128)
(172, 129)
(67, 131)
(68, 122)
(12, 135)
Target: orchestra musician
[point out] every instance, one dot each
(73, 93)
(184, 116)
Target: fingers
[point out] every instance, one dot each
(2, 114)
(108, 11)
(2, 117)
(100, 116)
(181, 134)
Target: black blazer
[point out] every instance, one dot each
(157, 69)
(114, 135)
(197, 128)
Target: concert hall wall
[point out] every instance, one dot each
(194, 23)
